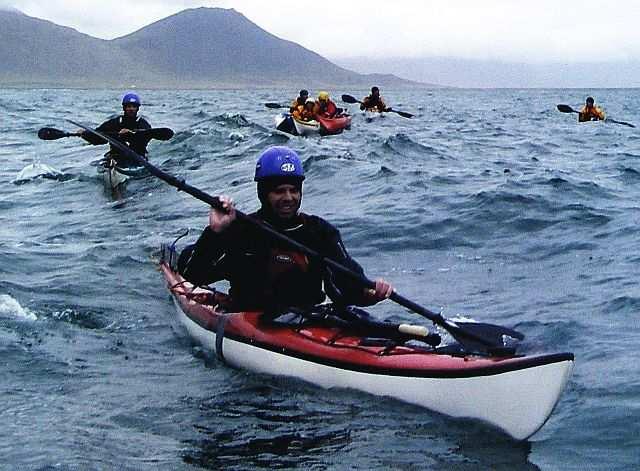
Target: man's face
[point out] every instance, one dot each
(130, 110)
(285, 200)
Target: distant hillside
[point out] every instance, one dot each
(202, 47)
(35, 52)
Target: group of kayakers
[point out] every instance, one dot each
(264, 273)
(305, 108)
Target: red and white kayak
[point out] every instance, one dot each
(515, 394)
(323, 126)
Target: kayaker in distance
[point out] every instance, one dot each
(266, 274)
(590, 112)
(300, 100)
(373, 102)
(123, 127)
(325, 108)
(305, 112)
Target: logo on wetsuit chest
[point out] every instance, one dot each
(284, 259)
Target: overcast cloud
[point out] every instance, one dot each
(545, 30)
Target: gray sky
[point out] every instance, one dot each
(509, 30)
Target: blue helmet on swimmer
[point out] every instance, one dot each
(131, 99)
(279, 162)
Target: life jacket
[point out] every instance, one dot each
(302, 114)
(594, 113)
(295, 104)
(285, 264)
(373, 104)
(326, 109)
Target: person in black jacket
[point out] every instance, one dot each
(374, 101)
(264, 273)
(124, 129)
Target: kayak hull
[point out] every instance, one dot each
(334, 125)
(306, 128)
(371, 115)
(284, 123)
(323, 126)
(514, 394)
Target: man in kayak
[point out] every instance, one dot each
(373, 102)
(123, 127)
(325, 108)
(305, 113)
(300, 100)
(267, 274)
(590, 112)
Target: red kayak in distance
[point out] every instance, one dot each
(329, 126)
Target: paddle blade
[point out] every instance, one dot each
(349, 99)
(403, 114)
(274, 105)
(566, 109)
(620, 122)
(490, 331)
(51, 134)
(161, 134)
(479, 337)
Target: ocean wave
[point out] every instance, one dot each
(11, 308)
(38, 171)
(622, 304)
(85, 319)
(403, 145)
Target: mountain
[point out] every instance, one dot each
(37, 52)
(196, 48)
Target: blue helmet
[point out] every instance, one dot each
(131, 99)
(279, 161)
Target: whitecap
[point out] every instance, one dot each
(9, 307)
(37, 170)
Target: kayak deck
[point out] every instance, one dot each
(114, 175)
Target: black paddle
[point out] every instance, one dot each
(568, 109)
(160, 134)
(275, 105)
(473, 336)
(51, 134)
(352, 100)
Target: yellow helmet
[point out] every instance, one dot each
(323, 96)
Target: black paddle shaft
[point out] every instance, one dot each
(456, 330)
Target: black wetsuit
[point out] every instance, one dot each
(112, 127)
(371, 102)
(266, 274)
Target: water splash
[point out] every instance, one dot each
(11, 308)
(36, 171)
